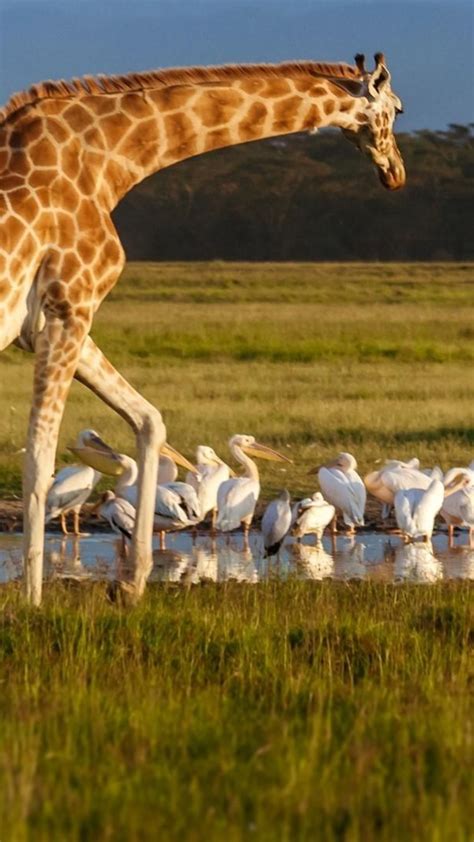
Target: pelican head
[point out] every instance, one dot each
(251, 447)
(207, 456)
(93, 451)
(344, 461)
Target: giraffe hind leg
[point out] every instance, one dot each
(95, 372)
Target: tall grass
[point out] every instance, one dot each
(285, 711)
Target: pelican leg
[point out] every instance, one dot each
(333, 525)
(213, 522)
(77, 532)
(450, 534)
(162, 540)
(63, 521)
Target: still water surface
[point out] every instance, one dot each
(370, 555)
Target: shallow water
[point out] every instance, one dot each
(370, 555)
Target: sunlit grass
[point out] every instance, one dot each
(283, 711)
(375, 359)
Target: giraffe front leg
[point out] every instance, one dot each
(57, 349)
(95, 372)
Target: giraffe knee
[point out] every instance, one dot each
(152, 427)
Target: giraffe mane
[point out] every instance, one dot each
(127, 83)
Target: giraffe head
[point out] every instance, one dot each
(372, 131)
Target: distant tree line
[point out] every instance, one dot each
(307, 198)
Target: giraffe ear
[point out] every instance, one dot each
(380, 77)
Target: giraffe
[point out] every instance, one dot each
(69, 151)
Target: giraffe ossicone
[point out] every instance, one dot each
(69, 151)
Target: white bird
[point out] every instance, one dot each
(71, 488)
(394, 476)
(416, 509)
(73, 485)
(210, 473)
(237, 498)
(458, 504)
(342, 486)
(276, 522)
(311, 516)
(417, 563)
(119, 513)
(171, 511)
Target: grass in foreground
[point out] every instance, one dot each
(285, 711)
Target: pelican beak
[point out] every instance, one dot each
(98, 455)
(457, 482)
(261, 451)
(177, 457)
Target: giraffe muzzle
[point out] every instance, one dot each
(393, 179)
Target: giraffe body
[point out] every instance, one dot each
(69, 151)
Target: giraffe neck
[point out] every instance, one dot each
(116, 140)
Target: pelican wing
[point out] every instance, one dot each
(428, 507)
(71, 487)
(276, 522)
(188, 497)
(346, 492)
(404, 503)
(236, 500)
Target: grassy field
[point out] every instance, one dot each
(371, 358)
(284, 711)
(291, 711)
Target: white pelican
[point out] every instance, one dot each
(176, 504)
(311, 516)
(394, 476)
(416, 509)
(237, 498)
(171, 510)
(458, 504)
(210, 472)
(118, 512)
(276, 522)
(73, 485)
(343, 488)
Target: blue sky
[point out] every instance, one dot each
(428, 43)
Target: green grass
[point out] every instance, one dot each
(370, 358)
(285, 711)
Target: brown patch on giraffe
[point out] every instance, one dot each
(277, 87)
(100, 105)
(317, 91)
(77, 117)
(64, 194)
(26, 132)
(11, 182)
(86, 250)
(45, 227)
(215, 108)
(172, 98)
(217, 139)
(19, 163)
(66, 225)
(4, 158)
(378, 121)
(88, 217)
(141, 144)
(114, 127)
(24, 203)
(312, 118)
(43, 153)
(285, 110)
(70, 159)
(94, 137)
(12, 232)
(329, 106)
(136, 105)
(251, 126)
(251, 86)
(361, 117)
(347, 105)
(179, 128)
(58, 130)
(41, 178)
(4, 290)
